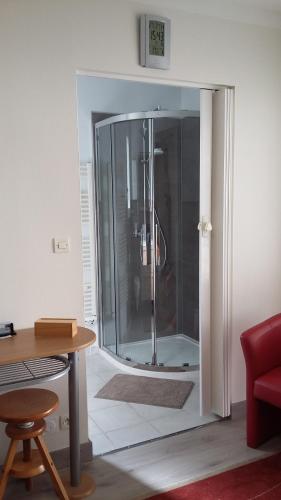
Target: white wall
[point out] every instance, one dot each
(121, 96)
(42, 45)
(190, 99)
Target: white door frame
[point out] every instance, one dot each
(225, 316)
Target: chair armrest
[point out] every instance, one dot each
(261, 346)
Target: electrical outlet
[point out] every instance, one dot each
(64, 422)
(51, 425)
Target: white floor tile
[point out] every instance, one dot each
(96, 364)
(132, 435)
(101, 444)
(118, 417)
(94, 384)
(192, 403)
(149, 412)
(94, 430)
(96, 404)
(181, 422)
(107, 375)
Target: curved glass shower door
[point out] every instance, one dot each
(125, 239)
(147, 191)
(176, 205)
(133, 237)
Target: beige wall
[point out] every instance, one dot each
(42, 44)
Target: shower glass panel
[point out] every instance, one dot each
(176, 194)
(104, 204)
(132, 217)
(147, 180)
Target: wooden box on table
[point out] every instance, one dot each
(64, 327)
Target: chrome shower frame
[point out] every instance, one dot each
(146, 115)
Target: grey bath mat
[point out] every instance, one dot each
(147, 390)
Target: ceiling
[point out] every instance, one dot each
(271, 5)
(259, 12)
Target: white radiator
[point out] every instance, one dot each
(88, 243)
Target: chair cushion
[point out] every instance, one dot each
(267, 387)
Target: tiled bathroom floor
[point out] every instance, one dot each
(114, 424)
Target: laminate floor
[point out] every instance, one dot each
(138, 472)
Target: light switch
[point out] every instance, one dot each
(61, 245)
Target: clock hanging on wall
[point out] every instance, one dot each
(155, 41)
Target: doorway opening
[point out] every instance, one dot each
(146, 293)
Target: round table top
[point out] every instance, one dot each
(25, 345)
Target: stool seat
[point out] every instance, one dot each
(27, 405)
(23, 411)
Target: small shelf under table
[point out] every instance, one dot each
(32, 371)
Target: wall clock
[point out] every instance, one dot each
(155, 41)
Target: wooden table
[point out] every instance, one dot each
(25, 345)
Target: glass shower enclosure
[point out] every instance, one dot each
(147, 183)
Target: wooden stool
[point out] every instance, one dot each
(23, 411)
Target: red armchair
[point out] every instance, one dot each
(262, 351)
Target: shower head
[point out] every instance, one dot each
(158, 151)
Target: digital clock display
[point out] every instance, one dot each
(156, 38)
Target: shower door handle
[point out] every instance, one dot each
(144, 249)
(157, 248)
